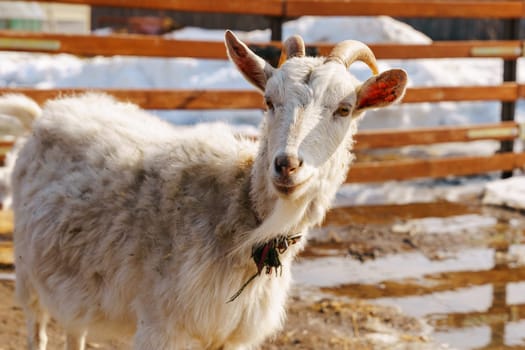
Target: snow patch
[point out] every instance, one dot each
(508, 192)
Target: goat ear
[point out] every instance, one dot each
(381, 90)
(256, 70)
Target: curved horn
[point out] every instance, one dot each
(349, 51)
(292, 47)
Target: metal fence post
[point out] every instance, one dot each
(510, 32)
(276, 26)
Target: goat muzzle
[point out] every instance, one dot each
(286, 169)
(286, 165)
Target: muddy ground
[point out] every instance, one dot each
(344, 317)
(313, 323)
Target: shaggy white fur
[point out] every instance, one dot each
(126, 226)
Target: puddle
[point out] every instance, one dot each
(468, 338)
(473, 297)
(453, 224)
(360, 278)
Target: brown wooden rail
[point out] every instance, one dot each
(161, 99)
(433, 168)
(259, 7)
(373, 139)
(251, 99)
(503, 92)
(128, 45)
(370, 139)
(428, 168)
(404, 8)
(507, 49)
(294, 8)
(154, 46)
(6, 253)
(387, 138)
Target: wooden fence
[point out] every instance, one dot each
(506, 131)
(507, 93)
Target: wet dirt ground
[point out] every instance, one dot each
(419, 276)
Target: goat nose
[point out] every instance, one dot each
(285, 164)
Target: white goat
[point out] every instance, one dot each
(123, 225)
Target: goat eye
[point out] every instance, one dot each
(343, 110)
(269, 104)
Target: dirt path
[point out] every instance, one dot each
(313, 323)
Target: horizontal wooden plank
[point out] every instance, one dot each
(259, 7)
(391, 213)
(433, 168)
(251, 99)
(6, 253)
(154, 46)
(295, 8)
(161, 99)
(369, 139)
(126, 45)
(507, 49)
(504, 92)
(406, 8)
(5, 144)
(6, 224)
(372, 139)
(521, 91)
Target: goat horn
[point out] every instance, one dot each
(349, 51)
(292, 47)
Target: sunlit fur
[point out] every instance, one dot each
(126, 226)
(25, 111)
